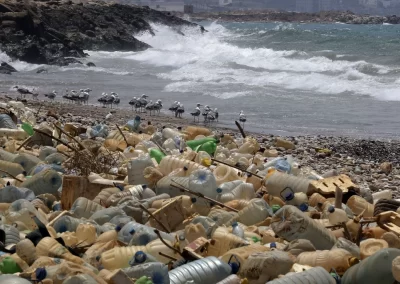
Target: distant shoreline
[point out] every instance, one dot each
(267, 16)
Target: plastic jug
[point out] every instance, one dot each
(278, 182)
(337, 216)
(351, 247)
(170, 163)
(84, 208)
(11, 193)
(224, 173)
(370, 246)
(136, 168)
(208, 147)
(13, 279)
(375, 269)
(237, 230)
(104, 215)
(141, 257)
(164, 185)
(104, 194)
(257, 211)
(339, 259)
(26, 251)
(290, 223)
(9, 266)
(156, 154)
(194, 144)
(203, 181)
(12, 168)
(241, 254)
(296, 247)
(205, 270)
(224, 242)
(232, 279)
(358, 205)
(261, 267)
(384, 194)
(26, 161)
(119, 257)
(315, 275)
(47, 181)
(195, 231)
(50, 247)
(242, 191)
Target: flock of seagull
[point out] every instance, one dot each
(139, 104)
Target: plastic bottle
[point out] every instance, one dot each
(257, 211)
(315, 275)
(156, 154)
(47, 181)
(141, 257)
(11, 234)
(242, 191)
(290, 223)
(237, 230)
(295, 199)
(50, 247)
(283, 166)
(194, 144)
(11, 193)
(224, 174)
(205, 270)
(232, 279)
(104, 194)
(158, 272)
(9, 266)
(26, 161)
(369, 247)
(12, 168)
(203, 158)
(203, 181)
(384, 194)
(224, 241)
(208, 147)
(171, 133)
(26, 251)
(375, 269)
(104, 215)
(169, 163)
(13, 279)
(337, 216)
(241, 254)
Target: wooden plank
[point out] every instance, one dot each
(327, 186)
(78, 186)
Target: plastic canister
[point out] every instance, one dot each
(26, 161)
(315, 275)
(119, 257)
(370, 246)
(223, 242)
(12, 168)
(257, 211)
(290, 223)
(84, 208)
(242, 191)
(136, 168)
(375, 269)
(158, 272)
(170, 163)
(242, 253)
(358, 204)
(203, 181)
(47, 181)
(224, 173)
(232, 279)
(205, 270)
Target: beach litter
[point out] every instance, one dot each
(139, 204)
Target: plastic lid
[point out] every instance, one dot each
(132, 231)
(181, 151)
(185, 168)
(219, 190)
(235, 267)
(272, 245)
(182, 237)
(193, 199)
(289, 196)
(140, 257)
(118, 228)
(331, 209)
(144, 186)
(98, 258)
(41, 273)
(234, 224)
(275, 208)
(303, 207)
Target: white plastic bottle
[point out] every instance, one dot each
(337, 215)
(237, 230)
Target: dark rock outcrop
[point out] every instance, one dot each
(57, 33)
(6, 68)
(90, 64)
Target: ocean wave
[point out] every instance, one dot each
(19, 65)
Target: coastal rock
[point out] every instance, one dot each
(56, 32)
(6, 68)
(90, 64)
(386, 167)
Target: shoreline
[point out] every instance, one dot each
(360, 159)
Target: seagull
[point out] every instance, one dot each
(158, 106)
(179, 110)
(116, 100)
(134, 103)
(51, 95)
(216, 114)
(174, 107)
(205, 113)
(149, 106)
(23, 91)
(242, 117)
(196, 112)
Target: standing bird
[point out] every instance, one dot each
(205, 113)
(180, 110)
(51, 96)
(196, 113)
(134, 103)
(149, 106)
(143, 101)
(174, 107)
(116, 100)
(23, 91)
(242, 117)
(158, 106)
(216, 114)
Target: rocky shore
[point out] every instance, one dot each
(346, 17)
(57, 33)
(371, 164)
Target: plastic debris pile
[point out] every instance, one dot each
(137, 204)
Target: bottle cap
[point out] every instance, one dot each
(219, 190)
(235, 267)
(132, 231)
(144, 186)
(98, 258)
(140, 257)
(272, 245)
(41, 273)
(303, 207)
(234, 224)
(118, 228)
(185, 168)
(275, 208)
(289, 196)
(331, 209)
(193, 199)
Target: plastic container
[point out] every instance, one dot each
(140, 258)
(80, 279)
(12, 168)
(203, 181)
(50, 247)
(9, 266)
(296, 247)
(45, 151)
(104, 194)
(225, 173)
(169, 163)
(316, 198)
(84, 208)
(237, 230)
(338, 259)
(136, 168)
(384, 194)
(195, 144)
(242, 191)
(118, 257)
(206, 270)
(257, 211)
(195, 231)
(299, 199)
(370, 246)
(125, 234)
(18, 134)
(278, 182)
(7, 156)
(375, 269)
(241, 254)
(337, 215)
(158, 272)
(232, 279)
(11, 193)
(164, 185)
(26, 161)
(47, 181)
(315, 275)
(12, 236)
(351, 247)
(13, 279)
(156, 154)
(290, 223)
(171, 133)
(224, 242)
(26, 251)
(358, 205)
(104, 215)
(193, 131)
(261, 267)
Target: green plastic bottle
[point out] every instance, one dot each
(9, 266)
(144, 280)
(208, 147)
(156, 154)
(193, 144)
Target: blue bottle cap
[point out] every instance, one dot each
(132, 231)
(234, 224)
(41, 273)
(118, 228)
(272, 245)
(140, 257)
(219, 190)
(331, 209)
(144, 186)
(193, 199)
(289, 196)
(235, 267)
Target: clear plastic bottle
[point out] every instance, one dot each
(337, 215)
(237, 230)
